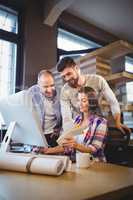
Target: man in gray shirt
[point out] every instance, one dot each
(70, 72)
(46, 103)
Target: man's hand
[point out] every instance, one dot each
(124, 129)
(56, 133)
(119, 125)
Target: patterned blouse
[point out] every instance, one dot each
(94, 136)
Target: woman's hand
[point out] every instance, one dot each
(70, 142)
(41, 150)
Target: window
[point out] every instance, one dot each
(7, 67)
(129, 64)
(8, 50)
(128, 116)
(128, 119)
(129, 85)
(72, 44)
(8, 20)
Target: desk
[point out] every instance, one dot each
(100, 181)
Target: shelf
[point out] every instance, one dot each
(99, 62)
(111, 51)
(120, 77)
(124, 107)
(127, 107)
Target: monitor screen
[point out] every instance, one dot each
(19, 108)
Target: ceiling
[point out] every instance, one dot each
(114, 16)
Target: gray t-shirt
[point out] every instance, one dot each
(50, 120)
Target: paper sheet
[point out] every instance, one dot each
(70, 133)
(50, 165)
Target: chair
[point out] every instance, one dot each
(117, 146)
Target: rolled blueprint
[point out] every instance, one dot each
(65, 159)
(49, 165)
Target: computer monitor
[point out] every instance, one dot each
(19, 108)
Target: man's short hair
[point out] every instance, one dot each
(45, 72)
(65, 62)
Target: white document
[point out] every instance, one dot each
(50, 165)
(70, 133)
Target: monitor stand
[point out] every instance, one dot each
(6, 141)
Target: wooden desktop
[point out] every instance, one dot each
(100, 181)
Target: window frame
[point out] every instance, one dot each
(61, 52)
(16, 38)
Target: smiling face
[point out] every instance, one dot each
(83, 102)
(46, 84)
(88, 100)
(71, 76)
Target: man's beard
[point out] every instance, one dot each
(73, 82)
(51, 95)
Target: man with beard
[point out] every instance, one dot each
(70, 72)
(47, 105)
